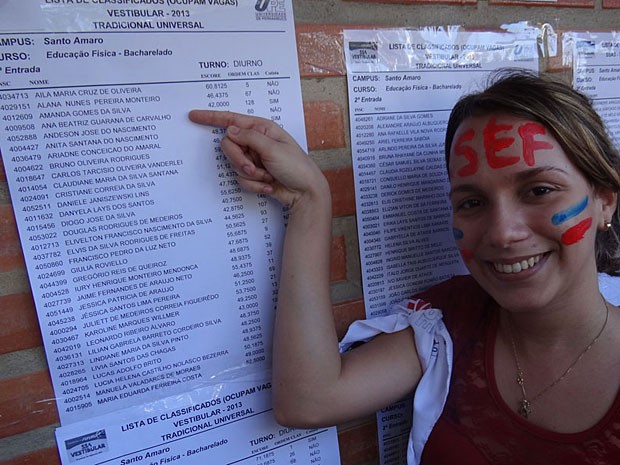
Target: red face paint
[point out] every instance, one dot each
(467, 254)
(493, 144)
(470, 154)
(527, 133)
(576, 233)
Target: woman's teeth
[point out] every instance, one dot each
(518, 266)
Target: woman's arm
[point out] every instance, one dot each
(313, 384)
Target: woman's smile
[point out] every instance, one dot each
(517, 266)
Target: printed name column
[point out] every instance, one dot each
(133, 278)
(402, 195)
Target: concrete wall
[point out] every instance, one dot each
(28, 413)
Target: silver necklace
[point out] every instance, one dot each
(525, 404)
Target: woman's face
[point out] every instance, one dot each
(524, 218)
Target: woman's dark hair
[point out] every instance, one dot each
(573, 122)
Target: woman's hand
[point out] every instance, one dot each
(265, 157)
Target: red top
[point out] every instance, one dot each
(476, 426)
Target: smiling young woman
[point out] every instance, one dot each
(517, 363)
(526, 218)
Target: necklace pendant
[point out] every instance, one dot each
(525, 408)
(520, 380)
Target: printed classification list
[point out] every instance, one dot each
(153, 274)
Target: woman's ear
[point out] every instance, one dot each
(608, 202)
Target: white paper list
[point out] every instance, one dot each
(596, 73)
(402, 85)
(154, 276)
(151, 270)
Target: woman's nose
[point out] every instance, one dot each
(506, 226)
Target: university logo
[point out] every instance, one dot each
(273, 10)
(524, 51)
(363, 52)
(261, 5)
(585, 48)
(87, 445)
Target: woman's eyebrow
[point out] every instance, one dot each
(463, 188)
(532, 173)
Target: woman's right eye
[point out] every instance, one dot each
(468, 204)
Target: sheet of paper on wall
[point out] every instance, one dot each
(595, 60)
(402, 85)
(153, 274)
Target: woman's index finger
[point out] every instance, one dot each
(221, 119)
(225, 119)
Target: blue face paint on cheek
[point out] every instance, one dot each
(458, 234)
(570, 212)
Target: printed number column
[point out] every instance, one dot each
(33, 199)
(258, 351)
